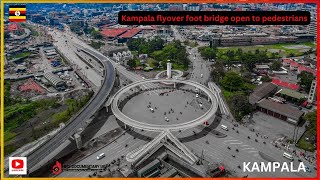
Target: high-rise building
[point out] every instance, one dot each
(312, 27)
(312, 92)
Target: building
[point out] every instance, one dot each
(58, 83)
(281, 111)
(285, 84)
(313, 92)
(312, 27)
(291, 95)
(262, 91)
(113, 33)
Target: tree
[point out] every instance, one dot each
(156, 64)
(232, 81)
(311, 117)
(132, 63)
(96, 34)
(276, 65)
(218, 71)
(266, 79)
(306, 79)
(240, 105)
(291, 54)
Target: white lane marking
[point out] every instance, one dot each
(245, 145)
(230, 140)
(247, 148)
(252, 151)
(237, 143)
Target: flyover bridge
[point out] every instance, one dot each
(48, 150)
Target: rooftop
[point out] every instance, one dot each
(130, 33)
(285, 84)
(261, 91)
(284, 109)
(113, 32)
(291, 93)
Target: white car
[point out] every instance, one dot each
(151, 109)
(102, 155)
(197, 95)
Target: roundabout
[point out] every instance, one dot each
(178, 125)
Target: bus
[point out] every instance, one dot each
(288, 156)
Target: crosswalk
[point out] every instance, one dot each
(234, 143)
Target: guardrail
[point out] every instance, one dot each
(67, 130)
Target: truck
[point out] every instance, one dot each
(216, 172)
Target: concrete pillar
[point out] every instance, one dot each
(169, 65)
(78, 140)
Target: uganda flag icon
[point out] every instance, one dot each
(17, 13)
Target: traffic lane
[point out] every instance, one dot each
(217, 150)
(77, 122)
(91, 74)
(267, 148)
(112, 151)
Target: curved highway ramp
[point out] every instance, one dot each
(48, 150)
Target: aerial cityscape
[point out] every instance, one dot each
(87, 97)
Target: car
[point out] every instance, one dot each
(151, 109)
(165, 118)
(102, 155)
(197, 95)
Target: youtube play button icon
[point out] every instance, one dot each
(18, 165)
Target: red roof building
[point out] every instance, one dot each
(286, 61)
(302, 68)
(112, 33)
(296, 66)
(285, 84)
(130, 33)
(13, 27)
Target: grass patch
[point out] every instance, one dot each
(8, 135)
(9, 149)
(179, 67)
(284, 51)
(18, 113)
(33, 108)
(304, 144)
(33, 32)
(73, 107)
(21, 55)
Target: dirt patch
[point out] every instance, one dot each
(15, 91)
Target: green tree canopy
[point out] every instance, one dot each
(276, 65)
(232, 81)
(306, 79)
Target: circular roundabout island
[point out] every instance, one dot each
(186, 105)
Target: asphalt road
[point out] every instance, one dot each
(113, 151)
(80, 121)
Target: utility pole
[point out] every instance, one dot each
(201, 161)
